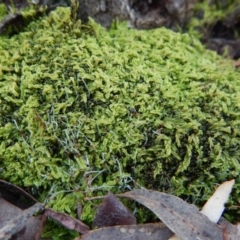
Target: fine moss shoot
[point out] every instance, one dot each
(84, 110)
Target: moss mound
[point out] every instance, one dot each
(83, 110)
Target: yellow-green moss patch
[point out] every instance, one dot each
(83, 110)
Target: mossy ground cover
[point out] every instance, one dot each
(209, 15)
(84, 110)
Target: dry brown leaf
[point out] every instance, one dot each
(151, 231)
(67, 221)
(16, 195)
(112, 212)
(183, 219)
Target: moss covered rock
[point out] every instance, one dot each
(84, 110)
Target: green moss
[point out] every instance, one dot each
(3, 11)
(83, 111)
(211, 13)
(17, 19)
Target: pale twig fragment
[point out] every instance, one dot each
(214, 207)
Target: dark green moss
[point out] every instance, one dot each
(83, 111)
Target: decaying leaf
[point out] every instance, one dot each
(112, 212)
(67, 221)
(16, 210)
(151, 231)
(18, 224)
(214, 207)
(229, 231)
(183, 219)
(16, 195)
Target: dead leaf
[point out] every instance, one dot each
(151, 231)
(33, 229)
(16, 195)
(229, 231)
(183, 219)
(112, 212)
(18, 224)
(214, 207)
(67, 221)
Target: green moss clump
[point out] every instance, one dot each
(3, 11)
(209, 15)
(83, 111)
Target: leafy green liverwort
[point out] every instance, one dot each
(84, 110)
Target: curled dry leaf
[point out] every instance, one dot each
(16, 195)
(67, 221)
(153, 231)
(112, 212)
(182, 218)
